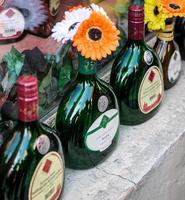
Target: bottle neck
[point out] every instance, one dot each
(136, 42)
(28, 110)
(86, 67)
(136, 31)
(167, 34)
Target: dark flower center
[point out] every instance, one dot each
(174, 6)
(156, 10)
(95, 34)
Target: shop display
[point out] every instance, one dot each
(51, 54)
(159, 18)
(136, 75)
(31, 158)
(88, 114)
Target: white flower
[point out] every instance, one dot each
(99, 9)
(67, 28)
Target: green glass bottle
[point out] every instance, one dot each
(87, 118)
(136, 75)
(31, 158)
(169, 53)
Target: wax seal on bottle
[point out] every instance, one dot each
(27, 91)
(136, 22)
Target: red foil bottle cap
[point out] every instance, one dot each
(27, 87)
(136, 14)
(27, 93)
(136, 22)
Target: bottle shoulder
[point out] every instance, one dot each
(84, 99)
(162, 45)
(166, 50)
(85, 89)
(129, 69)
(136, 57)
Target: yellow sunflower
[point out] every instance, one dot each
(173, 7)
(154, 16)
(96, 37)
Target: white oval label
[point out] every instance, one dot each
(101, 133)
(151, 90)
(11, 24)
(48, 178)
(174, 67)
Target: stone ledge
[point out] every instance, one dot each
(150, 154)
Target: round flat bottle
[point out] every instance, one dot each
(169, 53)
(136, 75)
(87, 119)
(31, 157)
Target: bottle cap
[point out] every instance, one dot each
(27, 86)
(136, 22)
(27, 97)
(136, 14)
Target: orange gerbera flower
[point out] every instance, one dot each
(173, 7)
(96, 37)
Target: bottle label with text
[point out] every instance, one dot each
(151, 90)
(47, 180)
(102, 132)
(12, 24)
(174, 67)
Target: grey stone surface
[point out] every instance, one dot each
(148, 164)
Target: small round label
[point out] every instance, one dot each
(48, 178)
(148, 57)
(43, 144)
(151, 90)
(101, 133)
(11, 24)
(174, 67)
(103, 103)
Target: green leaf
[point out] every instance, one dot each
(65, 74)
(46, 81)
(60, 56)
(14, 60)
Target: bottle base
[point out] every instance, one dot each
(92, 160)
(141, 121)
(169, 86)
